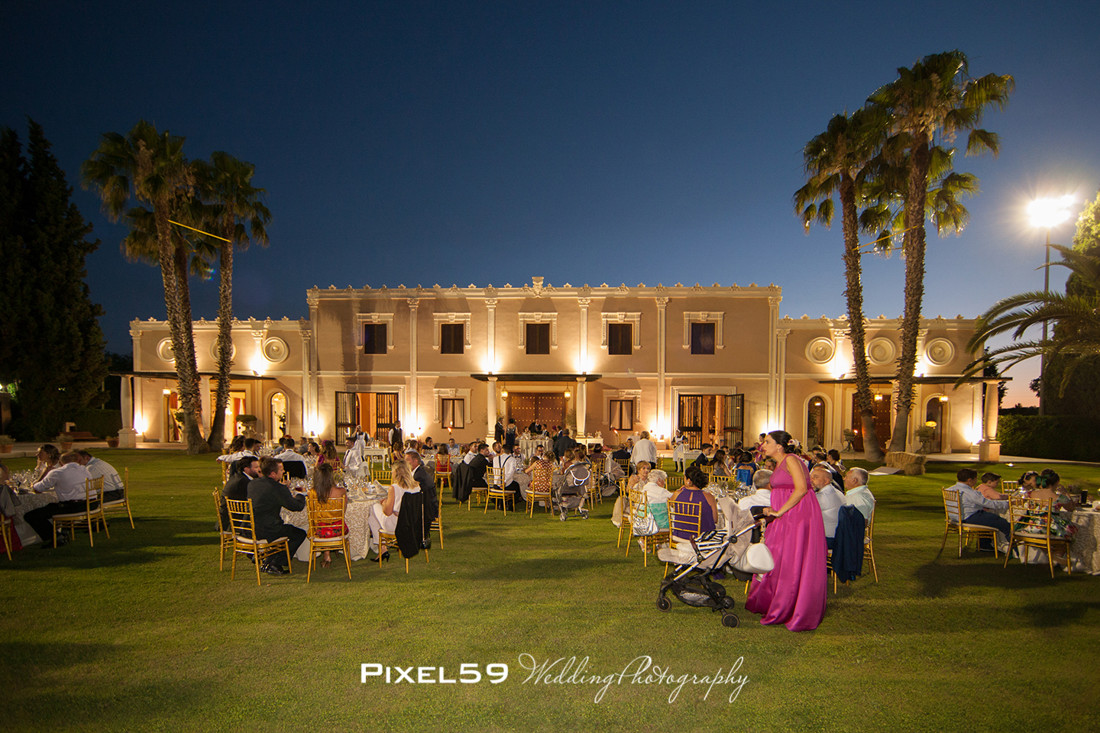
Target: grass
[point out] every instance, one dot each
(144, 632)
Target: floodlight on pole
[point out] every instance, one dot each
(1046, 214)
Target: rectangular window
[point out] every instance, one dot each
(454, 413)
(622, 414)
(452, 338)
(374, 338)
(702, 338)
(538, 338)
(620, 339)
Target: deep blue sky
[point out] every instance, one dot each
(593, 142)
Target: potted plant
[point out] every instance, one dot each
(924, 434)
(6, 442)
(65, 440)
(112, 442)
(246, 424)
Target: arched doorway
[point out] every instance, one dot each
(277, 415)
(815, 422)
(934, 414)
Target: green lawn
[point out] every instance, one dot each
(143, 632)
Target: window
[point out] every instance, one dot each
(452, 337)
(374, 338)
(454, 413)
(702, 338)
(620, 337)
(622, 414)
(538, 338)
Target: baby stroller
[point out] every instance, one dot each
(722, 550)
(572, 492)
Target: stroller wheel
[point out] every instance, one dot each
(728, 602)
(728, 619)
(663, 603)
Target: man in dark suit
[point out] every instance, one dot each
(426, 480)
(268, 496)
(479, 465)
(563, 443)
(236, 487)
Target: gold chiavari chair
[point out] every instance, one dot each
(225, 533)
(243, 524)
(92, 516)
(952, 507)
(641, 516)
(497, 493)
(536, 493)
(327, 529)
(1031, 520)
(124, 502)
(686, 518)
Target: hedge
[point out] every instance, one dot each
(100, 423)
(1067, 437)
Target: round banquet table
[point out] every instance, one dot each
(355, 516)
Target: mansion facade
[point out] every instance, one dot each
(609, 361)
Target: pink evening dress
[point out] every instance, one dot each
(793, 593)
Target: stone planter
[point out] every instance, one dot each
(911, 464)
(112, 442)
(5, 447)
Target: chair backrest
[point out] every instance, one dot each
(1033, 514)
(638, 503)
(723, 481)
(744, 476)
(497, 478)
(93, 491)
(295, 469)
(442, 464)
(382, 475)
(686, 518)
(218, 506)
(241, 521)
(126, 482)
(952, 506)
(674, 482)
(328, 515)
(624, 463)
(869, 533)
(1009, 487)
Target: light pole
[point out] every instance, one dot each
(1046, 214)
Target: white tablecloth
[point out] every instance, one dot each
(528, 445)
(1083, 550)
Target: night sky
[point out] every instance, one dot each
(447, 142)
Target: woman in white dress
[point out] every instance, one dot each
(383, 517)
(678, 450)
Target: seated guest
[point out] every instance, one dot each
(761, 480)
(236, 487)
(234, 451)
(429, 445)
(383, 516)
(641, 478)
(836, 477)
(692, 492)
(768, 463)
(328, 454)
(703, 459)
(828, 498)
(656, 498)
(313, 452)
(1049, 486)
(112, 482)
(857, 494)
(541, 471)
(8, 503)
(425, 479)
(976, 509)
(1029, 481)
(269, 496)
(288, 453)
(990, 486)
(453, 448)
(48, 459)
(68, 480)
(442, 459)
(325, 488)
(720, 467)
(833, 459)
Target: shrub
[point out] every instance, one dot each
(100, 423)
(1067, 437)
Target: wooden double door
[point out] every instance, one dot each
(545, 408)
(883, 419)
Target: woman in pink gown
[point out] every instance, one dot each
(793, 593)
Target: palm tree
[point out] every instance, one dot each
(149, 166)
(834, 162)
(931, 102)
(235, 213)
(1075, 315)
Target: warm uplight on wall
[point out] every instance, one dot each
(140, 425)
(258, 364)
(974, 434)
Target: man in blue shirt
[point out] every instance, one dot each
(976, 509)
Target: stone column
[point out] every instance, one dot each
(413, 401)
(127, 437)
(662, 333)
(989, 449)
(781, 379)
(773, 365)
(306, 409)
(582, 404)
(583, 351)
(491, 342)
(490, 409)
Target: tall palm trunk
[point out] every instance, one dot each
(913, 248)
(179, 329)
(216, 440)
(853, 272)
